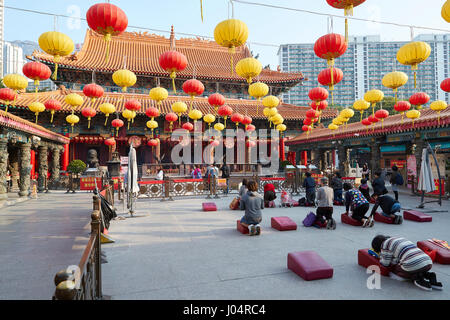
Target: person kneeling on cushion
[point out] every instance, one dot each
(269, 195)
(359, 204)
(406, 260)
(391, 207)
(252, 202)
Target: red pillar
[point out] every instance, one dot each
(33, 163)
(305, 158)
(65, 157)
(283, 158)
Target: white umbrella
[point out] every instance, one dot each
(426, 179)
(132, 177)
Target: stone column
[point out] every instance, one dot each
(3, 168)
(343, 161)
(25, 169)
(375, 156)
(42, 167)
(55, 166)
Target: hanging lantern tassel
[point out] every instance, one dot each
(348, 11)
(107, 38)
(37, 114)
(56, 60)
(52, 113)
(172, 76)
(225, 121)
(320, 115)
(395, 91)
(362, 112)
(36, 86)
(106, 120)
(403, 114)
(439, 118)
(89, 122)
(231, 50)
(201, 9)
(128, 128)
(414, 67)
(332, 86)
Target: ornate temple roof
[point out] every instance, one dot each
(11, 121)
(245, 107)
(140, 52)
(392, 125)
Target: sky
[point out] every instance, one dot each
(266, 25)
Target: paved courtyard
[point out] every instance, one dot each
(174, 250)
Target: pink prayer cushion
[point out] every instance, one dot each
(309, 265)
(283, 223)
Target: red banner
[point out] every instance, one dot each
(88, 183)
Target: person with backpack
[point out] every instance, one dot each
(196, 173)
(310, 186)
(396, 180)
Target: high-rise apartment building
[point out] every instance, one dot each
(2, 38)
(364, 64)
(13, 59)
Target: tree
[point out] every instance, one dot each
(76, 167)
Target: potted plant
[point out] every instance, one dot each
(283, 165)
(75, 168)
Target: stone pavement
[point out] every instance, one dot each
(38, 238)
(174, 250)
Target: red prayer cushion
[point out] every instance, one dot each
(309, 265)
(283, 223)
(416, 216)
(241, 228)
(209, 206)
(442, 254)
(345, 218)
(366, 260)
(380, 218)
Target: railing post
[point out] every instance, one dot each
(95, 229)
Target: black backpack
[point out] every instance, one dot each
(399, 179)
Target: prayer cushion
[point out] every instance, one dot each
(416, 216)
(241, 228)
(345, 218)
(442, 254)
(283, 223)
(309, 265)
(366, 260)
(380, 218)
(209, 206)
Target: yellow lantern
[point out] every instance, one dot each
(209, 118)
(124, 78)
(332, 126)
(347, 113)
(230, 34)
(281, 127)
(272, 111)
(258, 90)
(278, 120)
(56, 44)
(271, 102)
(413, 53)
(248, 68)
(129, 115)
(15, 81)
(152, 124)
(336, 122)
(72, 119)
(438, 106)
(413, 114)
(445, 12)
(195, 115)
(36, 107)
(361, 106)
(74, 100)
(373, 97)
(179, 108)
(219, 126)
(394, 80)
(159, 95)
(107, 109)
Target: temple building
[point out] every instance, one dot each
(139, 53)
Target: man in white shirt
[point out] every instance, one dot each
(160, 174)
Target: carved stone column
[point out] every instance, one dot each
(42, 167)
(55, 166)
(25, 169)
(375, 156)
(343, 160)
(3, 168)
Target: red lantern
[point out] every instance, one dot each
(52, 105)
(117, 123)
(171, 118)
(236, 118)
(307, 121)
(445, 85)
(382, 114)
(306, 128)
(225, 112)
(216, 100)
(246, 121)
(188, 126)
(173, 61)
(133, 105)
(419, 99)
(250, 128)
(108, 20)
(7, 95)
(329, 77)
(153, 142)
(322, 105)
(318, 94)
(401, 107)
(366, 122)
(347, 5)
(330, 47)
(88, 112)
(93, 91)
(152, 112)
(110, 142)
(251, 144)
(311, 113)
(36, 71)
(373, 119)
(194, 88)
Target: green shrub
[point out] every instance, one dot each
(76, 167)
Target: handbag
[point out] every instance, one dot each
(234, 205)
(309, 220)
